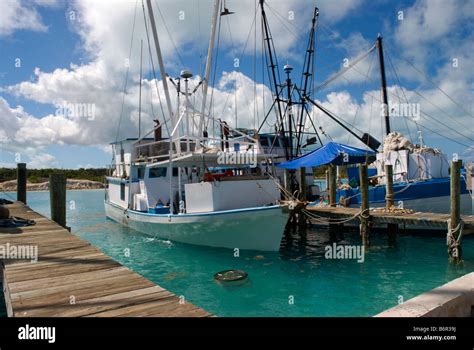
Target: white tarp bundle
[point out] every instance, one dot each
(397, 142)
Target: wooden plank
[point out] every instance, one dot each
(428, 220)
(101, 304)
(69, 266)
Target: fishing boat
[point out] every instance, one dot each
(193, 187)
(420, 173)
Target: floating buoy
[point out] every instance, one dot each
(231, 277)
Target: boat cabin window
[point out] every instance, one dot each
(140, 173)
(264, 141)
(122, 155)
(122, 191)
(157, 172)
(161, 172)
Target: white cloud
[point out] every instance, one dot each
(22, 15)
(106, 38)
(42, 160)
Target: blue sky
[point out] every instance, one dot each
(80, 59)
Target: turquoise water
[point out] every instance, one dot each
(298, 273)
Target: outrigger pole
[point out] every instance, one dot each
(210, 49)
(273, 67)
(162, 71)
(384, 84)
(309, 60)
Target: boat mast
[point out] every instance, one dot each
(162, 72)
(210, 49)
(273, 67)
(384, 84)
(309, 60)
(140, 92)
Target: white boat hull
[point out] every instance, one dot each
(252, 229)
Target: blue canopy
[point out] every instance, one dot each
(331, 153)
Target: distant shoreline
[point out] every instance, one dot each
(71, 185)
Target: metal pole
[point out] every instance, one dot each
(215, 16)
(332, 185)
(384, 85)
(162, 69)
(21, 182)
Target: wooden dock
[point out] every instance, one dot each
(378, 217)
(72, 278)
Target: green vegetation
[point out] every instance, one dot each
(42, 175)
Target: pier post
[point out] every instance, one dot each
(303, 183)
(21, 182)
(364, 204)
(454, 240)
(332, 185)
(57, 197)
(390, 201)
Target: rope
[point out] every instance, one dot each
(16, 222)
(452, 242)
(322, 219)
(124, 92)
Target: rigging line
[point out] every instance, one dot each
(431, 103)
(268, 114)
(169, 34)
(437, 87)
(240, 58)
(441, 135)
(282, 20)
(305, 106)
(420, 125)
(214, 73)
(151, 93)
(256, 118)
(353, 63)
(201, 55)
(153, 69)
(238, 70)
(128, 70)
(358, 105)
(398, 87)
(430, 116)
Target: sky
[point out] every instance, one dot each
(69, 70)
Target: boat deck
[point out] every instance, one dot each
(72, 278)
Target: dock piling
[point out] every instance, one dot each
(21, 182)
(57, 195)
(364, 205)
(390, 201)
(455, 222)
(332, 185)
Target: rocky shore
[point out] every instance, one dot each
(72, 184)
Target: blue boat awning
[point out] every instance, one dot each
(331, 153)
